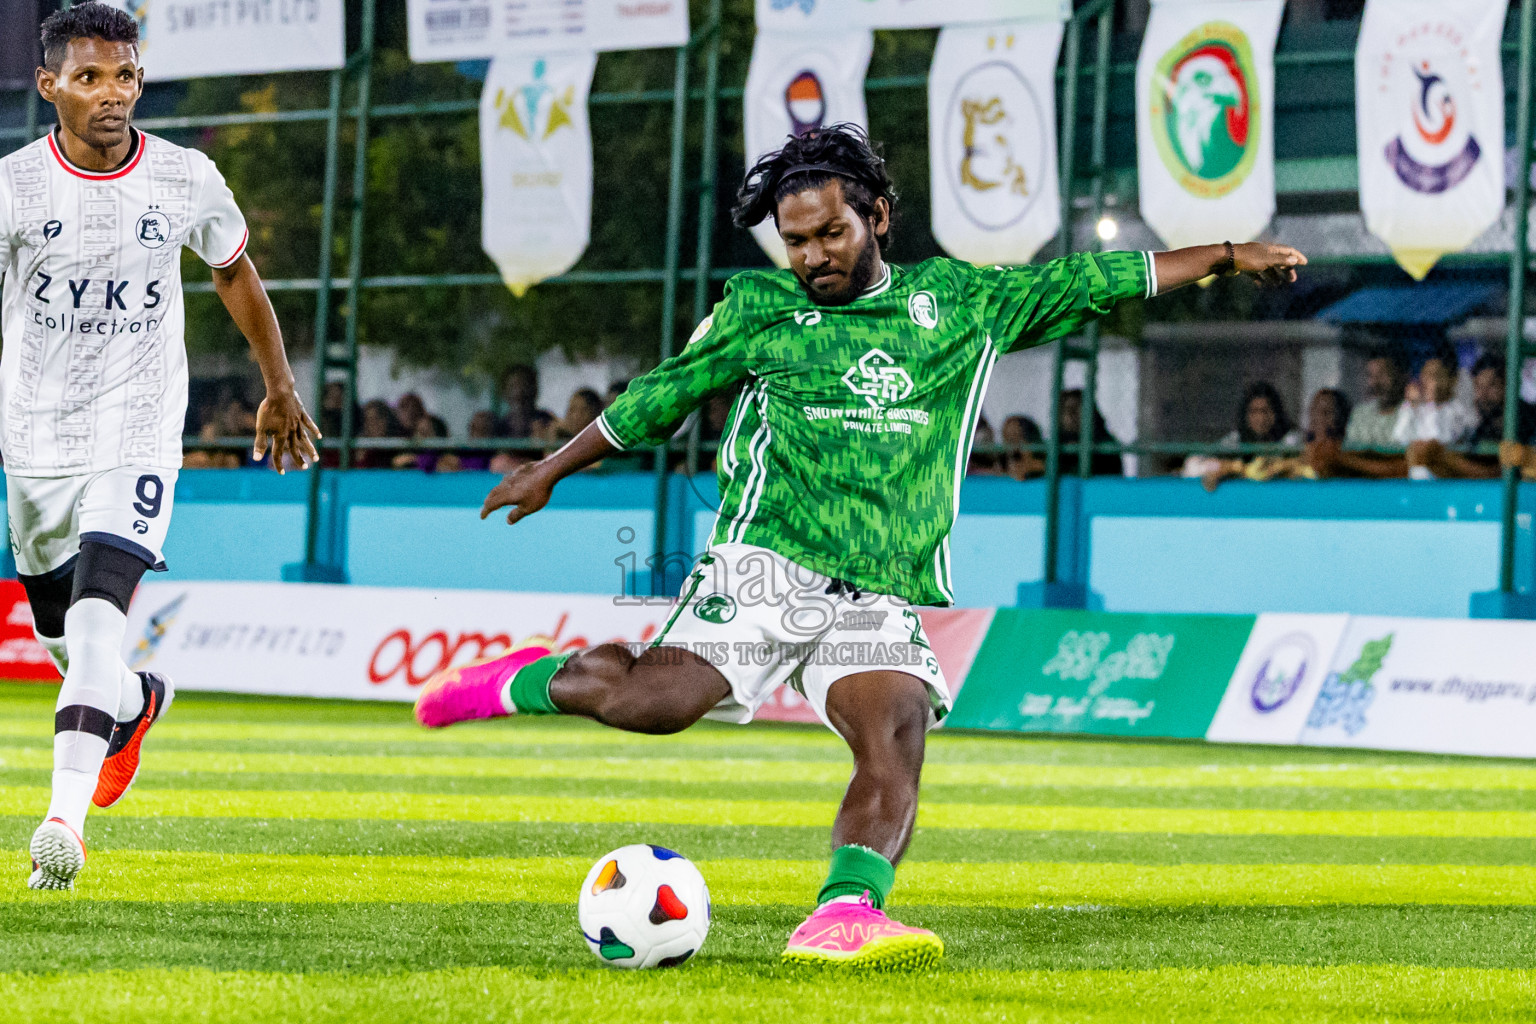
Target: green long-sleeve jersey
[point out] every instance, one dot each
(847, 446)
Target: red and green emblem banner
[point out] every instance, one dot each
(1205, 104)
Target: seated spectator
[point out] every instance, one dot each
(377, 421)
(1431, 411)
(428, 428)
(580, 412)
(482, 427)
(1261, 419)
(410, 410)
(1017, 432)
(333, 403)
(1069, 424)
(982, 465)
(520, 392)
(1372, 422)
(1435, 458)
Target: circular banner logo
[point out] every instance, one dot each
(1282, 672)
(995, 145)
(1205, 110)
(1431, 80)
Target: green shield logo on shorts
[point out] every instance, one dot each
(716, 608)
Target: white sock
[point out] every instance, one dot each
(132, 700)
(93, 634)
(54, 645)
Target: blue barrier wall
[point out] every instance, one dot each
(1388, 547)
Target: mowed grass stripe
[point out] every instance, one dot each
(21, 800)
(181, 876)
(1351, 800)
(705, 992)
(952, 846)
(755, 770)
(391, 937)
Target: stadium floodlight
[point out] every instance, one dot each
(1108, 228)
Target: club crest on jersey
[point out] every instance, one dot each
(702, 329)
(154, 230)
(877, 379)
(716, 608)
(924, 309)
(808, 317)
(53, 229)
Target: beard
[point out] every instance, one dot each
(859, 279)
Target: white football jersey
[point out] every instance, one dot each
(93, 374)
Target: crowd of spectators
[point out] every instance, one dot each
(530, 430)
(1428, 423)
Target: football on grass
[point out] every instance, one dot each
(644, 906)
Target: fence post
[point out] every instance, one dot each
(709, 185)
(677, 189)
(1059, 360)
(1085, 438)
(1506, 602)
(324, 560)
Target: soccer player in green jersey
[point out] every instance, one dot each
(840, 474)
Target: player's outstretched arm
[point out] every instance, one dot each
(281, 422)
(528, 489)
(1266, 264)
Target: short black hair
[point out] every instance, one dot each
(840, 152)
(89, 20)
(1489, 361)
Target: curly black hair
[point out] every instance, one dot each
(839, 152)
(89, 20)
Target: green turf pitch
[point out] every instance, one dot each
(312, 861)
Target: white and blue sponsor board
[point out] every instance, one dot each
(1442, 686)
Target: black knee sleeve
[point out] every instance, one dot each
(107, 572)
(50, 596)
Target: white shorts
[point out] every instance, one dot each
(127, 508)
(763, 620)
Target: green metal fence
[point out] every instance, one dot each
(1082, 190)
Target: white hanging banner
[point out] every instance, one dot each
(804, 15)
(1429, 106)
(200, 40)
(797, 83)
(1205, 141)
(992, 136)
(476, 29)
(536, 165)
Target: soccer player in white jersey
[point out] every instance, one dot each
(93, 391)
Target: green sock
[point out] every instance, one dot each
(857, 870)
(528, 689)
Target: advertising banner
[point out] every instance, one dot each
(992, 135)
(1429, 109)
(1277, 679)
(804, 15)
(359, 643)
(191, 39)
(797, 83)
(442, 30)
(536, 165)
(1110, 674)
(21, 656)
(377, 643)
(1446, 686)
(1205, 136)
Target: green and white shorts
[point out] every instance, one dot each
(763, 620)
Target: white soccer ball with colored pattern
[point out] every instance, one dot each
(644, 906)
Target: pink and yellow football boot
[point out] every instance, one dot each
(852, 933)
(473, 691)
